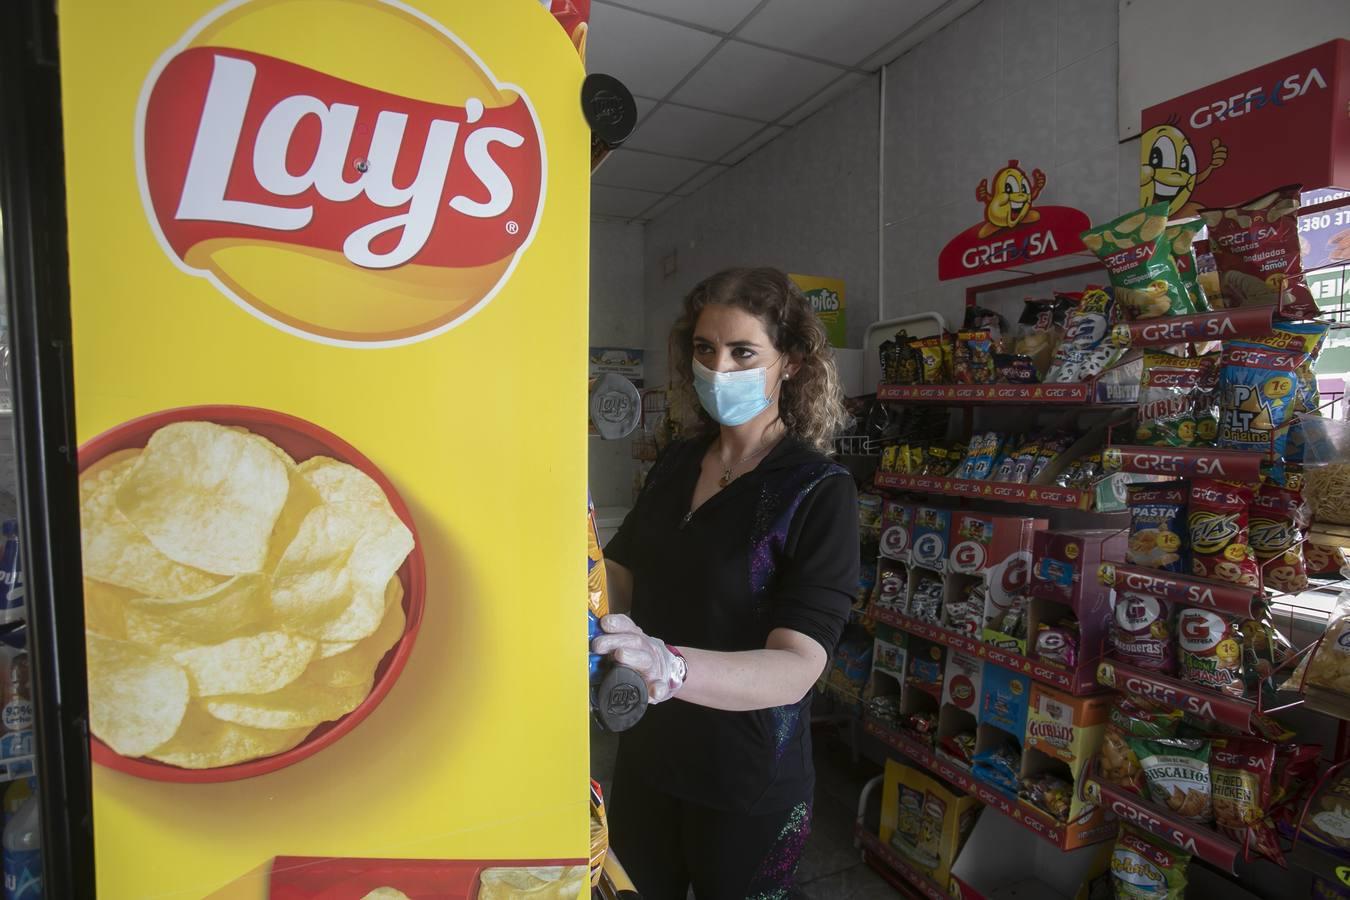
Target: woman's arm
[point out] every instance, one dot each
(780, 674)
(619, 584)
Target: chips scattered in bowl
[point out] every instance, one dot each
(234, 600)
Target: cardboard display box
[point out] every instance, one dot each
(1063, 732)
(924, 819)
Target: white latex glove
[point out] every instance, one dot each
(662, 670)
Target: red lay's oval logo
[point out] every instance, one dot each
(371, 185)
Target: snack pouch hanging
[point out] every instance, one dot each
(1140, 263)
(1256, 247)
(1180, 238)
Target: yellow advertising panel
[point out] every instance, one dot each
(323, 255)
(827, 299)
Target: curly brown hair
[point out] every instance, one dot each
(812, 401)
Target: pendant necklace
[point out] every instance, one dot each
(726, 478)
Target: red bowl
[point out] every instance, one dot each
(301, 440)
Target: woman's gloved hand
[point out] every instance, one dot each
(662, 670)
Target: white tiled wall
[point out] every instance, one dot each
(1033, 80)
(616, 321)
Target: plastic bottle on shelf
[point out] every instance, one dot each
(19, 790)
(23, 852)
(16, 695)
(12, 604)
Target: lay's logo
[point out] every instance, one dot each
(365, 198)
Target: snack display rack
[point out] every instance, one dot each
(1104, 674)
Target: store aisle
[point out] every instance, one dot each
(832, 868)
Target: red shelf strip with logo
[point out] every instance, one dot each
(1221, 324)
(1195, 839)
(872, 845)
(989, 393)
(1234, 712)
(1079, 681)
(1042, 826)
(1000, 491)
(1221, 596)
(1206, 462)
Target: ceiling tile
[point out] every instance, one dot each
(681, 131)
(834, 91)
(723, 15)
(656, 211)
(842, 31)
(768, 134)
(936, 16)
(648, 55)
(696, 183)
(612, 201)
(645, 171)
(753, 82)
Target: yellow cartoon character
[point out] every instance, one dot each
(1168, 169)
(1009, 204)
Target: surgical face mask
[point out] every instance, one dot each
(732, 398)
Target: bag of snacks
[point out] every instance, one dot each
(1049, 793)
(1278, 519)
(1264, 649)
(1324, 559)
(1000, 766)
(1171, 393)
(1140, 263)
(932, 368)
(1180, 237)
(1157, 522)
(1132, 717)
(1144, 868)
(1240, 771)
(1256, 247)
(1087, 348)
(925, 604)
(1257, 389)
(1013, 369)
(1327, 824)
(1328, 666)
(978, 318)
(1210, 651)
(1142, 628)
(1176, 771)
(1219, 536)
(1058, 643)
(1041, 331)
(1326, 469)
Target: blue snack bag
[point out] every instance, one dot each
(1258, 386)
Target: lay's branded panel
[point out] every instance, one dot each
(322, 252)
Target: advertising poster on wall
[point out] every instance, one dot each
(318, 249)
(827, 299)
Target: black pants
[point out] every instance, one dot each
(667, 845)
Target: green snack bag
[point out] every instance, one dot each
(1140, 263)
(1144, 868)
(1179, 238)
(1176, 771)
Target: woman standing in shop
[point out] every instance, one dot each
(739, 563)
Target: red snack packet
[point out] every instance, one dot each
(1322, 559)
(1240, 771)
(1255, 245)
(1210, 651)
(1220, 544)
(1278, 517)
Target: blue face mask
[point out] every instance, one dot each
(732, 398)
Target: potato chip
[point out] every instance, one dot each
(337, 482)
(206, 496)
(136, 699)
(535, 882)
(205, 742)
(255, 664)
(300, 500)
(227, 610)
(303, 703)
(385, 893)
(330, 583)
(105, 609)
(357, 664)
(116, 552)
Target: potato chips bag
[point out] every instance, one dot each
(1240, 772)
(1143, 273)
(1210, 651)
(1171, 393)
(1157, 525)
(1256, 246)
(1257, 390)
(1132, 717)
(1142, 630)
(1278, 519)
(1144, 868)
(1219, 536)
(1176, 771)
(1180, 238)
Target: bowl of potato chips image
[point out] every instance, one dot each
(253, 586)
